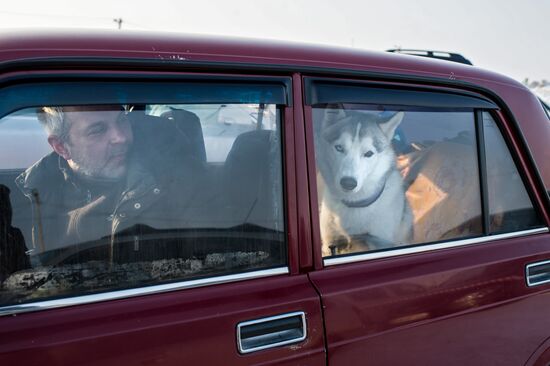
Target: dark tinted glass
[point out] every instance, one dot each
(100, 198)
(391, 177)
(510, 207)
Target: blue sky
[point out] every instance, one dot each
(507, 36)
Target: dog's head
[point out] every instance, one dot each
(355, 152)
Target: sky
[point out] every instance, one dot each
(507, 36)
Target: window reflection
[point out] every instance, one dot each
(510, 208)
(390, 177)
(129, 196)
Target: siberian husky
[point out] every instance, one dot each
(363, 203)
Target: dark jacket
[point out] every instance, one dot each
(12, 244)
(70, 213)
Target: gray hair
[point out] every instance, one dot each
(54, 121)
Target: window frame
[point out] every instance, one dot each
(51, 89)
(546, 108)
(76, 83)
(397, 93)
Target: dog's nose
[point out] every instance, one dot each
(348, 183)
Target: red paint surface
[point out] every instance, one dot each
(290, 184)
(303, 192)
(463, 306)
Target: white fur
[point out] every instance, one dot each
(341, 145)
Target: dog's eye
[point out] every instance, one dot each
(339, 148)
(368, 154)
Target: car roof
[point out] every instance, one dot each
(174, 47)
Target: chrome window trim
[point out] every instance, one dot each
(149, 290)
(528, 277)
(430, 247)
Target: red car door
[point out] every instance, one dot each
(218, 282)
(469, 285)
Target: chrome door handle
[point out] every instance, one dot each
(274, 331)
(537, 273)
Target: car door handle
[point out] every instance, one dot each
(274, 331)
(537, 273)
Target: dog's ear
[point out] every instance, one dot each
(333, 113)
(388, 126)
(332, 131)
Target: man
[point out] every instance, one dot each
(106, 175)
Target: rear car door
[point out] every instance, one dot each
(146, 220)
(467, 284)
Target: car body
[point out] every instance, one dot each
(469, 293)
(449, 56)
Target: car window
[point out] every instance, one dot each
(392, 176)
(108, 197)
(18, 128)
(386, 178)
(510, 208)
(221, 124)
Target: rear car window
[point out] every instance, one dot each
(418, 169)
(104, 197)
(510, 208)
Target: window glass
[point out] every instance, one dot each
(17, 129)
(222, 123)
(391, 177)
(510, 208)
(105, 197)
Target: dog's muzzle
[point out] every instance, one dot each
(366, 201)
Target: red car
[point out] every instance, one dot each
(190, 200)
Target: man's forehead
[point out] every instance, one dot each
(87, 115)
(92, 108)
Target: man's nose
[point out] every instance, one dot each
(119, 135)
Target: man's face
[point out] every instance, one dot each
(98, 142)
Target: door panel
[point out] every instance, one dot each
(196, 326)
(149, 284)
(427, 223)
(464, 306)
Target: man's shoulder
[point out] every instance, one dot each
(44, 171)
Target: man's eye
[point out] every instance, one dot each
(96, 131)
(339, 148)
(368, 154)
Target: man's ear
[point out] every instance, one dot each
(59, 147)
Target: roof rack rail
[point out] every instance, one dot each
(440, 55)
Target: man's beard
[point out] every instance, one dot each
(84, 165)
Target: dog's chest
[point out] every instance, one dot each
(378, 219)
